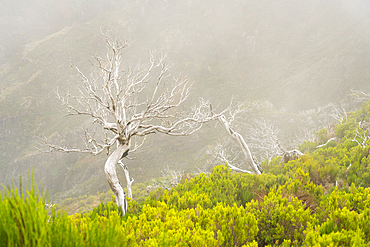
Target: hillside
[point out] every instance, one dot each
(297, 56)
(319, 199)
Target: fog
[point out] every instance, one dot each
(298, 55)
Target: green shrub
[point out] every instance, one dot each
(102, 197)
(279, 218)
(68, 201)
(90, 200)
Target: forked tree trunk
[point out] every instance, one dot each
(128, 180)
(111, 174)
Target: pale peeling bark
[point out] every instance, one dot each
(240, 140)
(128, 180)
(237, 169)
(111, 174)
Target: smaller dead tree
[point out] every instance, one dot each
(261, 134)
(242, 144)
(337, 112)
(306, 135)
(170, 178)
(362, 134)
(360, 96)
(233, 116)
(264, 138)
(223, 152)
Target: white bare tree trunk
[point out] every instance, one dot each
(111, 174)
(361, 139)
(240, 140)
(129, 181)
(237, 169)
(326, 143)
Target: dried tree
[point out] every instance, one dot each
(264, 136)
(170, 178)
(227, 122)
(362, 134)
(121, 102)
(360, 96)
(223, 152)
(241, 142)
(247, 123)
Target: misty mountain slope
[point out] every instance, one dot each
(22, 22)
(298, 55)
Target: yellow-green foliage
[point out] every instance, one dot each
(343, 160)
(291, 204)
(188, 200)
(90, 200)
(343, 219)
(26, 222)
(221, 186)
(220, 226)
(22, 215)
(330, 164)
(282, 216)
(295, 213)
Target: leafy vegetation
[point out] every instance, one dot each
(320, 199)
(288, 53)
(292, 214)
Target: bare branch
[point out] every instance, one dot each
(184, 124)
(360, 96)
(170, 178)
(326, 143)
(114, 100)
(91, 146)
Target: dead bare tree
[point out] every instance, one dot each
(126, 109)
(360, 96)
(170, 178)
(264, 138)
(248, 123)
(337, 111)
(223, 152)
(308, 135)
(362, 134)
(241, 142)
(226, 122)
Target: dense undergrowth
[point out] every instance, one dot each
(294, 212)
(320, 199)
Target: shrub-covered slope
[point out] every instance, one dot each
(207, 213)
(296, 55)
(320, 199)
